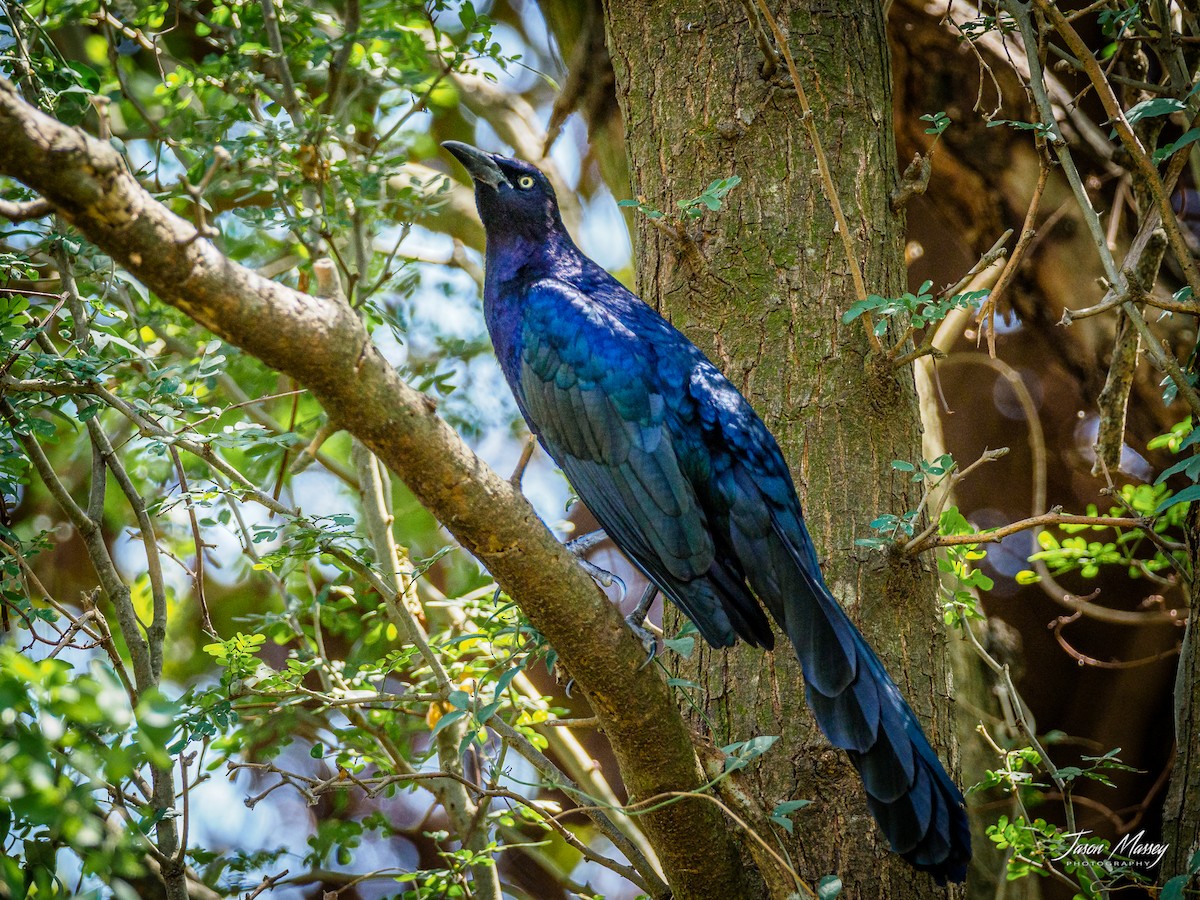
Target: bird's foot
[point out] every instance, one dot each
(636, 621)
(648, 638)
(586, 542)
(582, 545)
(605, 578)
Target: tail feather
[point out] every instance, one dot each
(853, 714)
(917, 805)
(904, 819)
(890, 767)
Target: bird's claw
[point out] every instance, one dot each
(645, 635)
(582, 545)
(605, 578)
(636, 621)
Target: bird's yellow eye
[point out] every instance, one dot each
(525, 181)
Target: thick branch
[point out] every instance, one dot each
(322, 344)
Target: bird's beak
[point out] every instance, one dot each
(479, 165)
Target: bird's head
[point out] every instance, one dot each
(513, 197)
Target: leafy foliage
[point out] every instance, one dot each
(914, 310)
(709, 200)
(248, 623)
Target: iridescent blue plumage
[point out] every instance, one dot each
(691, 486)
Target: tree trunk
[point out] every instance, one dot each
(1181, 811)
(761, 286)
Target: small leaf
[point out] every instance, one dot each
(448, 719)
(1173, 889)
(487, 711)
(505, 680)
(681, 645)
(1189, 137)
(829, 887)
(787, 807)
(1190, 466)
(681, 682)
(1185, 496)
(1150, 109)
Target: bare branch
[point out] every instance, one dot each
(17, 211)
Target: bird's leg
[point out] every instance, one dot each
(582, 545)
(523, 461)
(636, 619)
(586, 542)
(578, 548)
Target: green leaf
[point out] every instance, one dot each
(829, 887)
(505, 680)
(681, 645)
(682, 683)
(1188, 137)
(780, 814)
(739, 754)
(874, 301)
(1190, 466)
(448, 719)
(1150, 109)
(1185, 496)
(486, 711)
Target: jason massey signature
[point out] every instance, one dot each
(1132, 847)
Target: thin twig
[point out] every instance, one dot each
(770, 64)
(987, 313)
(1142, 164)
(1050, 518)
(643, 806)
(38, 328)
(283, 71)
(198, 541)
(24, 210)
(1084, 660)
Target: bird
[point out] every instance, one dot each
(691, 486)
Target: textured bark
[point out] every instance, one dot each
(763, 296)
(322, 344)
(1181, 811)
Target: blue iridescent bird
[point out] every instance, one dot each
(691, 486)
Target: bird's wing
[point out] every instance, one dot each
(592, 390)
(752, 505)
(751, 502)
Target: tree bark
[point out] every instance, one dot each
(761, 286)
(1181, 810)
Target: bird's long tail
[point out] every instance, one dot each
(860, 709)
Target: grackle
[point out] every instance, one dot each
(692, 487)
